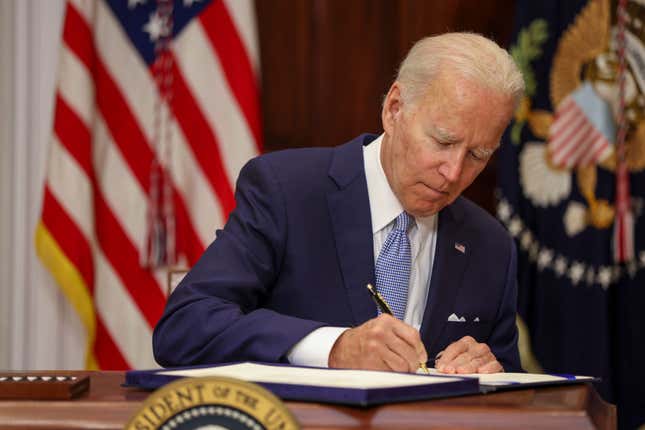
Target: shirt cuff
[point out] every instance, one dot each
(313, 349)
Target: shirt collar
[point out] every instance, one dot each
(381, 195)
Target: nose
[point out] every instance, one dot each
(452, 165)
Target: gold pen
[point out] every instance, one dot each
(385, 309)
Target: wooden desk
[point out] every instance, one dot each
(110, 406)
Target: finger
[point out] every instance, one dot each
(467, 363)
(462, 361)
(407, 352)
(396, 362)
(476, 356)
(411, 336)
(454, 350)
(480, 350)
(379, 356)
(382, 342)
(481, 355)
(374, 350)
(458, 357)
(403, 341)
(491, 367)
(470, 366)
(375, 363)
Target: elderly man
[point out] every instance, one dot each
(285, 280)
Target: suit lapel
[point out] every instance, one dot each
(447, 274)
(349, 211)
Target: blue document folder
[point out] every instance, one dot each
(340, 386)
(353, 387)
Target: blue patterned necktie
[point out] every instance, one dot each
(393, 267)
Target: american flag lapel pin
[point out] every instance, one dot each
(460, 247)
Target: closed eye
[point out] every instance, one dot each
(479, 154)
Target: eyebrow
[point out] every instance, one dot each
(445, 136)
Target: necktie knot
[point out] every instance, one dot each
(402, 222)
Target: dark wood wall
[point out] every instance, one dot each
(326, 64)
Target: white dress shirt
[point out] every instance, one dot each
(314, 349)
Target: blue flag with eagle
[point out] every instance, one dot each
(582, 243)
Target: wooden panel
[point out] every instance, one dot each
(284, 36)
(352, 68)
(325, 67)
(419, 18)
(326, 64)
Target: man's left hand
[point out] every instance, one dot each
(467, 356)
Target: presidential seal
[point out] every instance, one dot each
(213, 403)
(566, 145)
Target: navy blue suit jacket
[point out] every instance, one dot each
(297, 252)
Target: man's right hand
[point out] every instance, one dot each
(382, 343)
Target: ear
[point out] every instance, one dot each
(392, 107)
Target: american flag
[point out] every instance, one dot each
(156, 111)
(582, 131)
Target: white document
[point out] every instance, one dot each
(340, 378)
(507, 378)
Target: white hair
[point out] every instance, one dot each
(470, 55)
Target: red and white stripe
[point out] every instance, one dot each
(98, 176)
(574, 140)
(623, 239)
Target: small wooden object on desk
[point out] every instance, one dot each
(34, 386)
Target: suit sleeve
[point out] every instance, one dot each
(503, 340)
(216, 314)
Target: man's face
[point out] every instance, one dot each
(433, 149)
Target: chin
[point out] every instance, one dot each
(425, 211)
(424, 207)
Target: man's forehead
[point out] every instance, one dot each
(453, 84)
